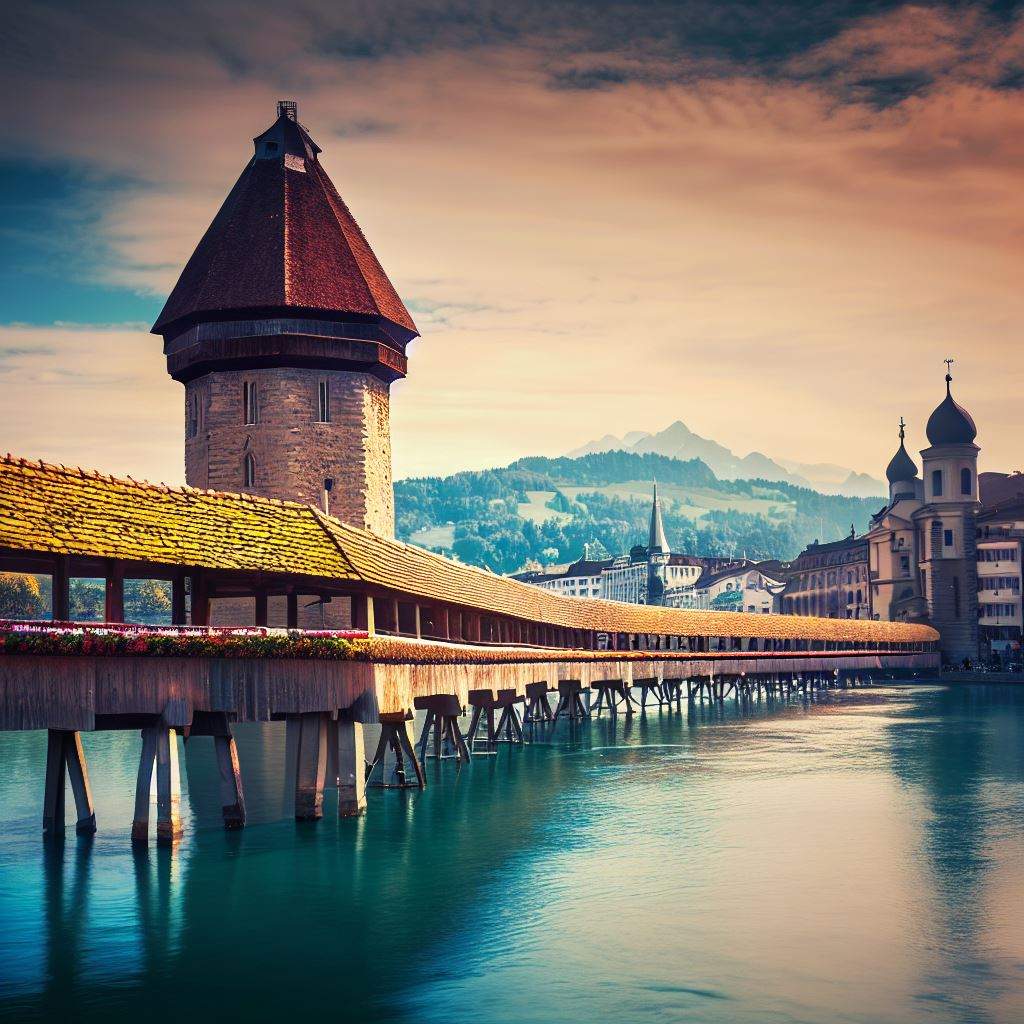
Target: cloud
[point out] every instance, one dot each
(773, 226)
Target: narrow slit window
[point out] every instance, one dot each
(250, 403)
(966, 482)
(249, 471)
(323, 402)
(937, 483)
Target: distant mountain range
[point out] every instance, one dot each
(679, 442)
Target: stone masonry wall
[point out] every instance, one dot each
(293, 452)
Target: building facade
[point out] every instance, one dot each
(923, 545)
(829, 580)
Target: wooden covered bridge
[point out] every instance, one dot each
(424, 633)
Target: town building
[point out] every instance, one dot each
(829, 580)
(1000, 543)
(744, 587)
(923, 545)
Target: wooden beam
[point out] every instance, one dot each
(114, 611)
(168, 788)
(260, 614)
(53, 796)
(61, 589)
(143, 785)
(178, 613)
(200, 599)
(78, 774)
(311, 769)
(232, 799)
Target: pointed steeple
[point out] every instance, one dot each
(284, 244)
(656, 539)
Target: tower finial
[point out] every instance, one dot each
(289, 109)
(949, 378)
(902, 430)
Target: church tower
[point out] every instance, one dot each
(658, 553)
(946, 530)
(287, 335)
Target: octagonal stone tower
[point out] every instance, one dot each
(287, 335)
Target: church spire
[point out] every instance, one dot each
(656, 539)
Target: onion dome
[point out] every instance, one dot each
(950, 423)
(902, 467)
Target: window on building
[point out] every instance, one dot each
(966, 482)
(947, 538)
(192, 416)
(249, 471)
(323, 402)
(250, 405)
(936, 483)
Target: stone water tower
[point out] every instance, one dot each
(287, 335)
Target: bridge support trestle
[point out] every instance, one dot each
(396, 737)
(65, 759)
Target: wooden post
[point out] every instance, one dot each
(441, 625)
(260, 613)
(200, 600)
(61, 589)
(53, 797)
(293, 610)
(419, 623)
(178, 616)
(232, 800)
(114, 611)
(78, 774)
(351, 755)
(143, 784)
(311, 769)
(168, 788)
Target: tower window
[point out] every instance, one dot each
(966, 482)
(192, 416)
(947, 538)
(936, 483)
(250, 403)
(323, 402)
(249, 471)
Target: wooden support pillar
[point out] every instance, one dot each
(232, 799)
(168, 788)
(114, 610)
(293, 610)
(65, 759)
(351, 754)
(53, 797)
(311, 765)
(418, 620)
(143, 785)
(61, 589)
(260, 611)
(178, 615)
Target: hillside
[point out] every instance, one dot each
(547, 509)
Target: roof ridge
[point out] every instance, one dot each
(163, 487)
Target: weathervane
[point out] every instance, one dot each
(902, 429)
(949, 365)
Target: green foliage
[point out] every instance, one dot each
(88, 600)
(21, 597)
(147, 601)
(727, 600)
(489, 531)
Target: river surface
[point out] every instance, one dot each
(854, 858)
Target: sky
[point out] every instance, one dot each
(770, 220)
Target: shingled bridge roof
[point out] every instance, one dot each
(59, 510)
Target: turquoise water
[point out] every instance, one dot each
(856, 858)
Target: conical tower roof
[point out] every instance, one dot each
(284, 243)
(656, 538)
(902, 467)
